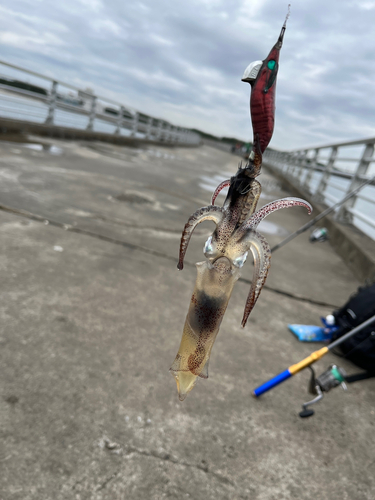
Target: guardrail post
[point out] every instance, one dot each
(52, 104)
(148, 131)
(135, 124)
(344, 215)
(302, 164)
(319, 193)
(159, 130)
(290, 161)
(167, 133)
(120, 121)
(311, 170)
(174, 134)
(296, 160)
(90, 125)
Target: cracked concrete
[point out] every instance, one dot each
(88, 409)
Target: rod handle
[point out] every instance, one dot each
(270, 384)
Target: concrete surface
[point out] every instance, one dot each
(90, 327)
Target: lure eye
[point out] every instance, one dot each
(271, 64)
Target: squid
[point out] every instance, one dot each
(234, 236)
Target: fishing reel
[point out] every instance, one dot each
(332, 377)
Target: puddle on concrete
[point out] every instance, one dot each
(50, 148)
(54, 150)
(209, 183)
(133, 197)
(34, 147)
(79, 213)
(160, 154)
(117, 152)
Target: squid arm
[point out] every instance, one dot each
(256, 218)
(220, 187)
(262, 261)
(260, 248)
(213, 213)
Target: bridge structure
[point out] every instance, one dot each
(38, 103)
(325, 175)
(328, 173)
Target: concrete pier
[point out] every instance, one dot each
(92, 310)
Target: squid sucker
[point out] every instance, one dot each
(235, 235)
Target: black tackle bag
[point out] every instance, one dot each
(360, 348)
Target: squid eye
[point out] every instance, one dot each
(208, 247)
(271, 64)
(240, 261)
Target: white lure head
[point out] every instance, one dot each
(251, 72)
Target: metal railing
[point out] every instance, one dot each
(63, 104)
(329, 172)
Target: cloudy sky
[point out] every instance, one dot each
(183, 60)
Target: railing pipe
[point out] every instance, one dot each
(90, 125)
(168, 133)
(319, 193)
(313, 164)
(345, 214)
(292, 164)
(52, 104)
(120, 121)
(135, 124)
(148, 131)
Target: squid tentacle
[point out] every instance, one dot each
(256, 218)
(221, 186)
(262, 261)
(211, 212)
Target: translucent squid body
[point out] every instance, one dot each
(235, 235)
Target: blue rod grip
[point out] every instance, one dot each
(272, 383)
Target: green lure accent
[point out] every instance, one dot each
(271, 64)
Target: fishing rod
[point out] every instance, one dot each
(320, 216)
(307, 362)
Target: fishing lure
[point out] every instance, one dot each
(262, 77)
(235, 235)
